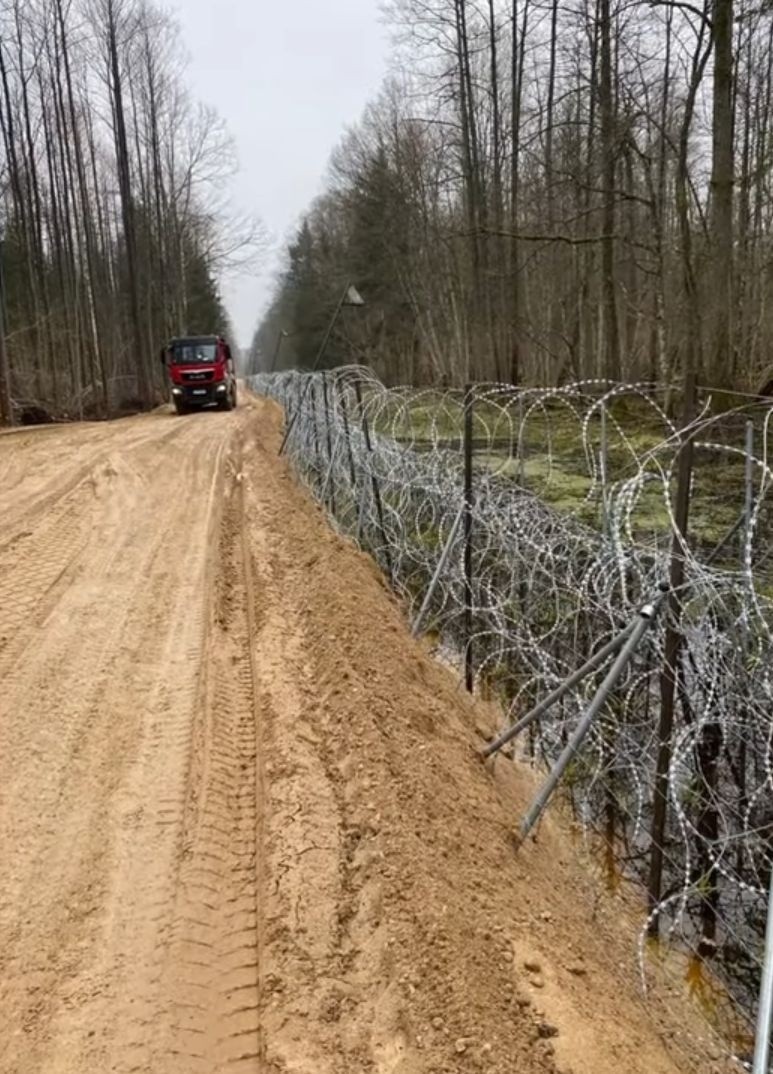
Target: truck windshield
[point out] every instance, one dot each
(190, 353)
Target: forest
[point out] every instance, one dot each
(113, 225)
(545, 192)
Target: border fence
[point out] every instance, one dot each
(526, 529)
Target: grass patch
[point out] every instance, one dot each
(564, 469)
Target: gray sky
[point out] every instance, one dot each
(287, 76)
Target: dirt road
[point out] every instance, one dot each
(242, 822)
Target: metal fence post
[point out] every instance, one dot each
(520, 470)
(291, 409)
(374, 481)
(603, 466)
(314, 428)
(765, 1003)
(669, 673)
(347, 436)
(748, 507)
(469, 669)
(329, 442)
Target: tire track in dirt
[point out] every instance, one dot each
(95, 733)
(34, 564)
(259, 716)
(47, 542)
(213, 963)
(155, 795)
(25, 464)
(37, 476)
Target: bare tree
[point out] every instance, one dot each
(113, 203)
(581, 217)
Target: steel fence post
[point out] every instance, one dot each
(374, 481)
(765, 1002)
(469, 664)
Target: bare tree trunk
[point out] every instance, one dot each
(611, 343)
(6, 404)
(722, 176)
(498, 261)
(159, 197)
(87, 244)
(34, 242)
(516, 90)
(552, 376)
(127, 204)
(60, 140)
(659, 213)
(480, 320)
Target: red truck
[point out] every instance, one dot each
(201, 371)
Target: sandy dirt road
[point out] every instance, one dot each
(113, 685)
(243, 826)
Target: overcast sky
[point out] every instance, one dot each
(287, 76)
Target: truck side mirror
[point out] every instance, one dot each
(163, 357)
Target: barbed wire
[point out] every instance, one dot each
(572, 530)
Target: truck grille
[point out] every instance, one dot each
(204, 394)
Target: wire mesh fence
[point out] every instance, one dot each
(525, 528)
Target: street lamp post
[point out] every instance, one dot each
(275, 357)
(350, 297)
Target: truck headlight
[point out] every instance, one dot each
(220, 388)
(177, 391)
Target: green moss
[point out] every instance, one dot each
(556, 466)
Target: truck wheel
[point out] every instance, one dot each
(180, 407)
(225, 403)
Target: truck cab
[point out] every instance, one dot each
(201, 372)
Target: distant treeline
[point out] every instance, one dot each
(547, 191)
(109, 204)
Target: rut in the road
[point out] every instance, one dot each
(212, 976)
